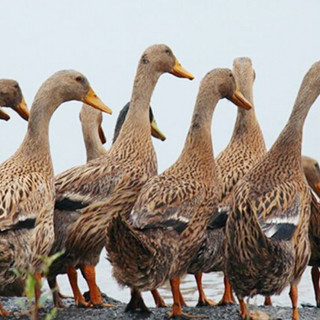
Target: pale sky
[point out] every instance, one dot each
(105, 39)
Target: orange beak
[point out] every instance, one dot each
(23, 110)
(102, 136)
(93, 100)
(3, 115)
(317, 189)
(239, 100)
(179, 71)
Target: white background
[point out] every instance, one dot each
(104, 40)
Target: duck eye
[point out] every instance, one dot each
(79, 79)
(230, 75)
(16, 86)
(144, 59)
(167, 51)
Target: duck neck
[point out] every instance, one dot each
(198, 148)
(36, 141)
(136, 131)
(290, 138)
(247, 128)
(94, 147)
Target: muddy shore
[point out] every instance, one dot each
(117, 312)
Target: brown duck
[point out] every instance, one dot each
(312, 172)
(27, 183)
(267, 228)
(245, 150)
(115, 179)
(94, 138)
(169, 219)
(11, 97)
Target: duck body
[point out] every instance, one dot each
(168, 221)
(113, 181)
(27, 183)
(262, 274)
(267, 228)
(245, 149)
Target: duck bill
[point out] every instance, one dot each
(102, 136)
(92, 99)
(239, 100)
(179, 71)
(23, 110)
(317, 189)
(155, 131)
(3, 115)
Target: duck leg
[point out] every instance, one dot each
(158, 300)
(227, 297)
(203, 300)
(136, 302)
(244, 312)
(89, 274)
(294, 299)
(176, 308)
(267, 301)
(315, 280)
(52, 281)
(79, 300)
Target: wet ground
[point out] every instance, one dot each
(213, 286)
(117, 312)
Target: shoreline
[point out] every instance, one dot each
(71, 312)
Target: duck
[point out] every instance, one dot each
(11, 96)
(245, 149)
(168, 221)
(94, 139)
(114, 179)
(312, 172)
(268, 223)
(27, 183)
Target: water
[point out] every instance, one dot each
(212, 283)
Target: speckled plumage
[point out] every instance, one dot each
(112, 182)
(244, 150)
(27, 183)
(267, 229)
(168, 221)
(312, 172)
(64, 218)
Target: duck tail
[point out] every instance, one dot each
(129, 255)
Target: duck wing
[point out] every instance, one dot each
(167, 202)
(278, 211)
(22, 198)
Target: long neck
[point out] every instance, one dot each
(36, 141)
(290, 138)
(198, 150)
(136, 131)
(247, 128)
(93, 144)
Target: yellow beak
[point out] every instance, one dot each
(102, 136)
(317, 189)
(239, 100)
(3, 115)
(179, 71)
(93, 100)
(155, 131)
(23, 110)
